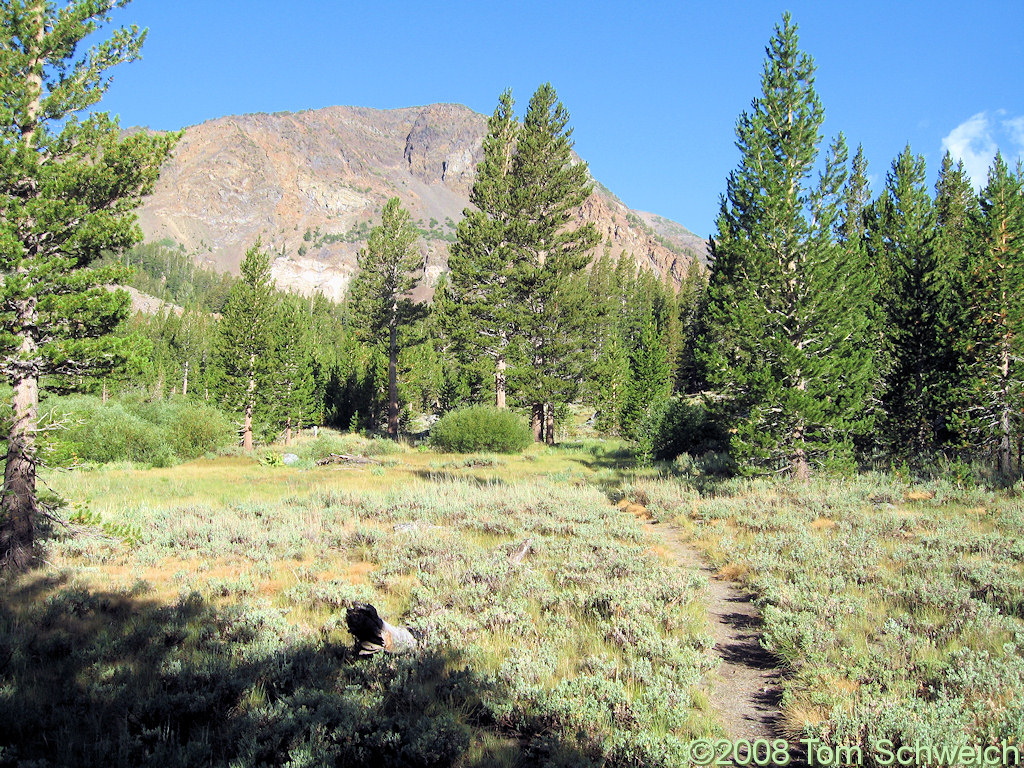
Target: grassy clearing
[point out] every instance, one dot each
(898, 610)
(218, 638)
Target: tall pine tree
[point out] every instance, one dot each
(68, 185)
(901, 241)
(478, 308)
(388, 268)
(549, 185)
(998, 318)
(246, 345)
(775, 319)
(293, 383)
(956, 249)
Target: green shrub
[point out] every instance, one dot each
(82, 428)
(481, 428)
(197, 428)
(686, 426)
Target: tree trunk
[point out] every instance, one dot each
(19, 506)
(1004, 455)
(247, 429)
(549, 423)
(799, 466)
(499, 382)
(537, 422)
(393, 384)
(184, 381)
(288, 433)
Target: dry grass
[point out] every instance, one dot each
(425, 537)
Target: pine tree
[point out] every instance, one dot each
(956, 249)
(609, 367)
(379, 294)
(246, 343)
(671, 326)
(69, 184)
(691, 301)
(774, 315)
(998, 317)
(650, 378)
(901, 240)
(478, 309)
(292, 381)
(863, 341)
(549, 185)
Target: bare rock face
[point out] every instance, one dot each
(445, 144)
(310, 185)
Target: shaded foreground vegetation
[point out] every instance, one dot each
(217, 637)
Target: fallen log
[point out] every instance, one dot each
(345, 458)
(520, 552)
(373, 634)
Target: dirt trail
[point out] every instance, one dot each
(745, 690)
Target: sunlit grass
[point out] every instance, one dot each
(597, 636)
(898, 610)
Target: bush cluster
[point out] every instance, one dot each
(481, 428)
(158, 433)
(685, 426)
(591, 651)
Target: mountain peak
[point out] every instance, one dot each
(311, 184)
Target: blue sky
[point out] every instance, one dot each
(653, 88)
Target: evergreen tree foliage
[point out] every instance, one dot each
(516, 289)
(901, 238)
(671, 326)
(956, 251)
(379, 293)
(246, 343)
(691, 303)
(650, 379)
(549, 186)
(997, 343)
(68, 185)
(863, 320)
(292, 383)
(478, 309)
(173, 274)
(775, 314)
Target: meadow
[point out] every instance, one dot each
(896, 608)
(194, 615)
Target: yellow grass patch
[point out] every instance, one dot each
(640, 512)
(918, 495)
(797, 717)
(823, 524)
(358, 573)
(843, 684)
(661, 552)
(733, 571)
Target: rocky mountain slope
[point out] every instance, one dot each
(312, 184)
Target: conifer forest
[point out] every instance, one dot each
(551, 466)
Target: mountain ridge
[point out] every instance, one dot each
(311, 184)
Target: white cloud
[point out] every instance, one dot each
(976, 141)
(972, 142)
(1015, 129)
